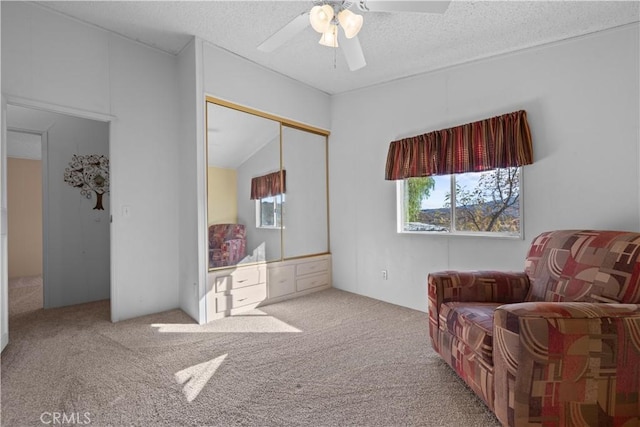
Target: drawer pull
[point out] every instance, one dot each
(242, 281)
(241, 299)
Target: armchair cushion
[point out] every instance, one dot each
(477, 286)
(471, 323)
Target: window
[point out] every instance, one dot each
(269, 211)
(479, 203)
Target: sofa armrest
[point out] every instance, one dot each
(567, 363)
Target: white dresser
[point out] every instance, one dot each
(241, 288)
(297, 277)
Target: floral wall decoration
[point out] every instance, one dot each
(90, 174)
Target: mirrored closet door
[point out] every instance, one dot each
(304, 157)
(267, 193)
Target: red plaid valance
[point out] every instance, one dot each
(499, 142)
(268, 185)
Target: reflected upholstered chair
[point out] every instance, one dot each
(555, 345)
(227, 244)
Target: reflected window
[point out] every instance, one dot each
(269, 211)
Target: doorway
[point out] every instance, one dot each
(75, 209)
(24, 202)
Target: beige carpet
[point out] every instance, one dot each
(25, 294)
(327, 359)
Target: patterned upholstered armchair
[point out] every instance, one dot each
(555, 345)
(227, 244)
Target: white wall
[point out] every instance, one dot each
(190, 263)
(582, 99)
(144, 149)
(77, 244)
(51, 60)
(229, 77)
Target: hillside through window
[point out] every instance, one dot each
(482, 203)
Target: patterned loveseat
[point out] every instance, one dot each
(555, 345)
(227, 244)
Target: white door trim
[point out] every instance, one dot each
(4, 276)
(54, 108)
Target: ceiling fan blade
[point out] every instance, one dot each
(403, 6)
(352, 51)
(286, 33)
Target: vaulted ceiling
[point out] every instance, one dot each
(395, 45)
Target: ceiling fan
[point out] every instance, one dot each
(327, 17)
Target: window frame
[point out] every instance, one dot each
(400, 213)
(275, 217)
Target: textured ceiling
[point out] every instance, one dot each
(395, 45)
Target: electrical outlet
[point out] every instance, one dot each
(385, 274)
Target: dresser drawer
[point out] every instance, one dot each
(241, 297)
(312, 267)
(310, 282)
(238, 278)
(281, 281)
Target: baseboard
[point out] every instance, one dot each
(294, 295)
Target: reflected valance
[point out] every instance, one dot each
(269, 185)
(499, 142)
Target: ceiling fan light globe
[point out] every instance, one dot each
(351, 23)
(330, 37)
(320, 18)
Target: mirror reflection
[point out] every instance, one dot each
(266, 188)
(241, 147)
(304, 159)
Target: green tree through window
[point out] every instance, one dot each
(479, 202)
(417, 190)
